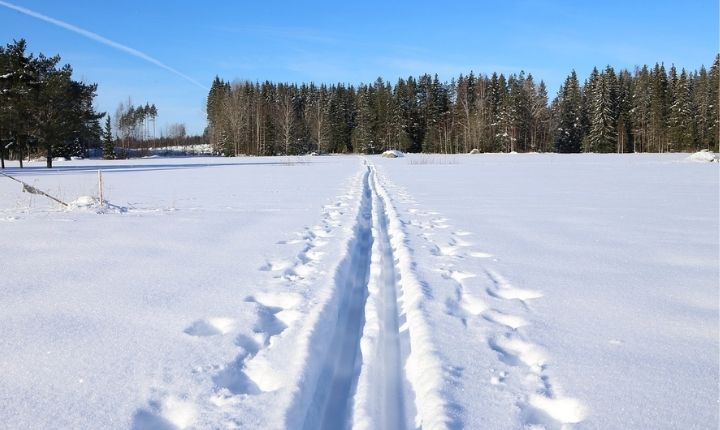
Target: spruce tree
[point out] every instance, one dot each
(602, 136)
(659, 106)
(713, 90)
(362, 136)
(641, 106)
(589, 92)
(569, 134)
(624, 115)
(682, 132)
(108, 142)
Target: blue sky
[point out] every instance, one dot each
(324, 41)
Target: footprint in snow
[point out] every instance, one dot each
(510, 321)
(210, 327)
(515, 351)
(169, 414)
(234, 379)
(553, 412)
(249, 373)
(502, 289)
(276, 265)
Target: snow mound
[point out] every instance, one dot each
(393, 154)
(475, 151)
(703, 156)
(84, 202)
(90, 203)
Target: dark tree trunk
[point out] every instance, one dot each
(49, 156)
(2, 157)
(20, 152)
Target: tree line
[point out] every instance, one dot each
(43, 110)
(648, 110)
(135, 122)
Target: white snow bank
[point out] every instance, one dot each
(84, 202)
(393, 153)
(703, 156)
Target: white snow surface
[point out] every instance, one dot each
(487, 291)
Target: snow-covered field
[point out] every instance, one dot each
(468, 291)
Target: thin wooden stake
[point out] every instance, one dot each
(100, 186)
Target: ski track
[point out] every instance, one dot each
(365, 345)
(330, 405)
(488, 296)
(380, 399)
(381, 368)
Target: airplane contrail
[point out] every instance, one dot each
(98, 38)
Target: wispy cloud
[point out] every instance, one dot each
(105, 41)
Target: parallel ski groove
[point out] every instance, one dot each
(376, 280)
(391, 379)
(330, 407)
(424, 367)
(380, 401)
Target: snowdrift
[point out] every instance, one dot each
(703, 156)
(393, 154)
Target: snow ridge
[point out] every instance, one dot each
(425, 368)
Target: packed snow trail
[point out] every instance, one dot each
(382, 349)
(331, 400)
(391, 377)
(380, 399)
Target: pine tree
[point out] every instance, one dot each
(589, 92)
(640, 113)
(713, 141)
(495, 96)
(504, 120)
(569, 133)
(413, 126)
(603, 119)
(624, 115)
(682, 132)
(362, 135)
(659, 105)
(108, 141)
(540, 117)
